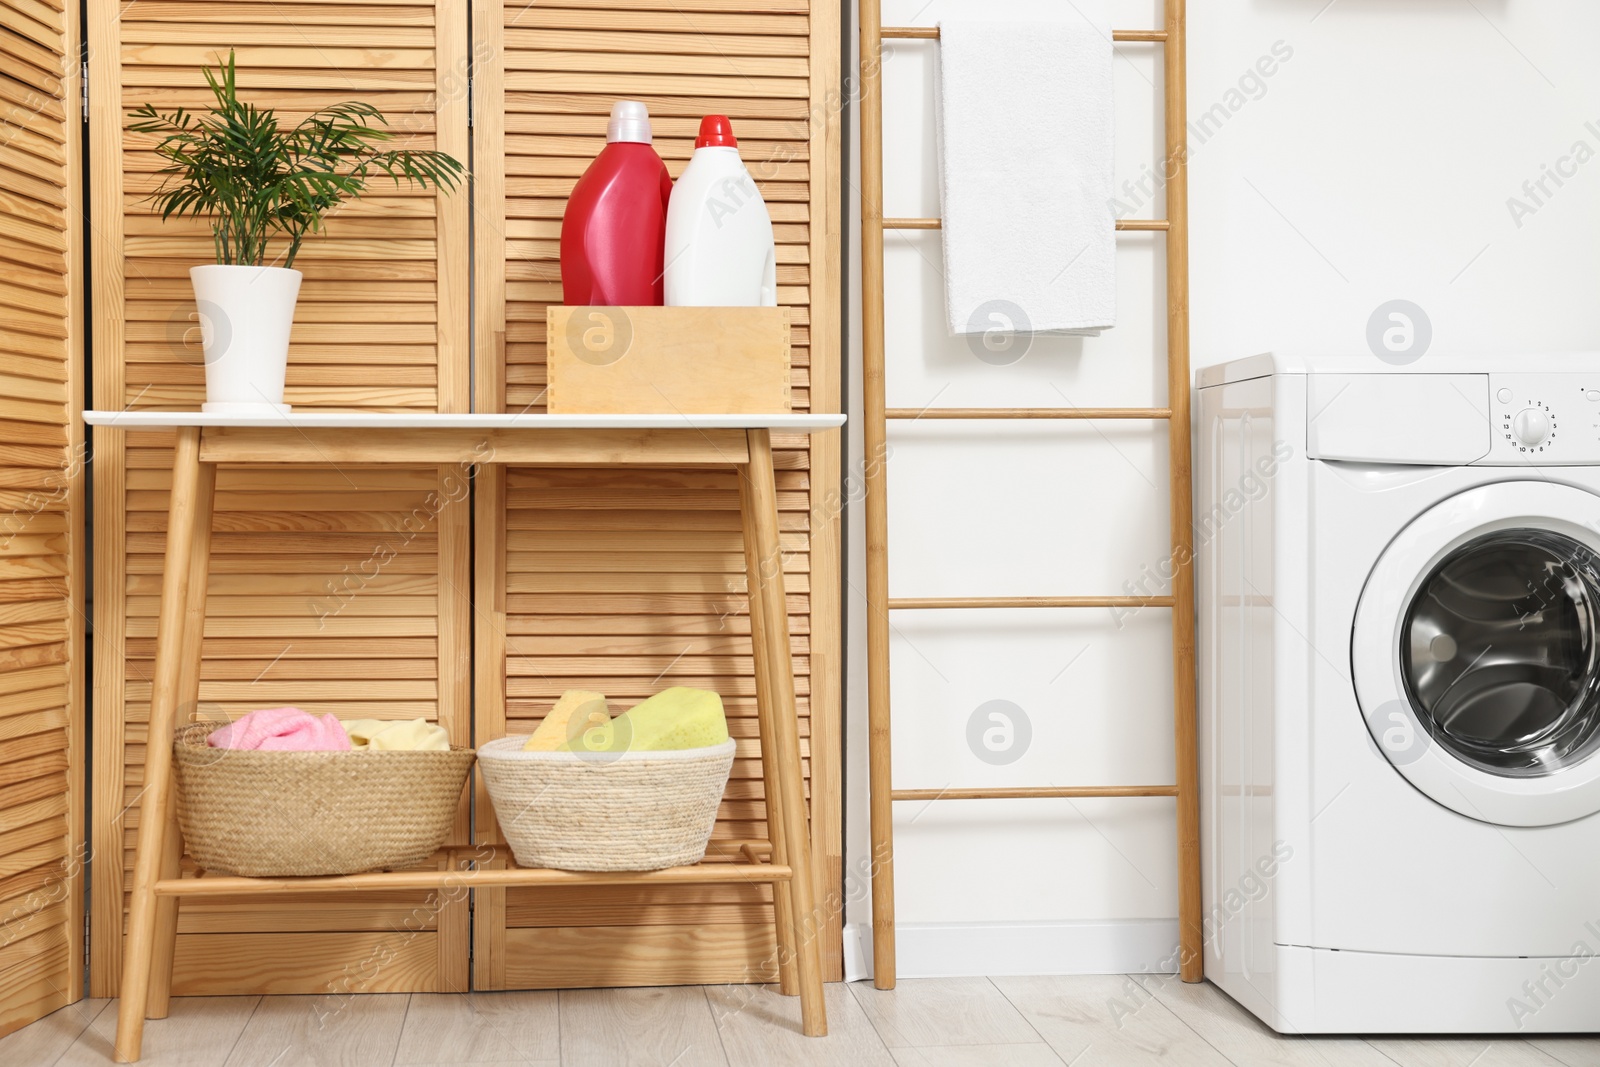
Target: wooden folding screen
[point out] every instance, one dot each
(626, 582)
(342, 590)
(41, 514)
(348, 590)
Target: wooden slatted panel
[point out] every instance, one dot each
(628, 581)
(41, 518)
(341, 590)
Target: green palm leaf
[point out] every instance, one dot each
(258, 181)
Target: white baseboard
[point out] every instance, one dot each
(857, 952)
(949, 950)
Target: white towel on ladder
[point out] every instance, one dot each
(1026, 143)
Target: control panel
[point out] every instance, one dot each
(1544, 419)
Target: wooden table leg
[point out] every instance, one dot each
(181, 529)
(194, 624)
(769, 598)
(782, 900)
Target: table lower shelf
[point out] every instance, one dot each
(697, 874)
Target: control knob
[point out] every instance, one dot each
(1530, 426)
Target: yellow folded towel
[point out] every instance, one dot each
(577, 710)
(675, 718)
(405, 735)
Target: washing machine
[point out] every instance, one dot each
(1398, 594)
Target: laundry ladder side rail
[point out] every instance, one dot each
(1185, 787)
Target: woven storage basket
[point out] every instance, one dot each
(596, 811)
(271, 814)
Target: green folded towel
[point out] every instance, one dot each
(675, 718)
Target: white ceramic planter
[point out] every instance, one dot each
(245, 316)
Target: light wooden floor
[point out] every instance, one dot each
(959, 1022)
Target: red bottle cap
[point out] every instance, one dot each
(716, 132)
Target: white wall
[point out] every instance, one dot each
(1375, 163)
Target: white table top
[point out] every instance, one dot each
(372, 420)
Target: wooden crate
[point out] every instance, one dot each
(660, 360)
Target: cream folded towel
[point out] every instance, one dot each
(1026, 146)
(404, 735)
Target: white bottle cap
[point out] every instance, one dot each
(630, 121)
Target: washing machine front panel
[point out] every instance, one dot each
(1391, 870)
(1543, 418)
(1476, 653)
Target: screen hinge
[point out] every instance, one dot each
(470, 95)
(83, 87)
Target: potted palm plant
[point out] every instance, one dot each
(266, 187)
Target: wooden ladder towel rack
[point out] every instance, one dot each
(1181, 600)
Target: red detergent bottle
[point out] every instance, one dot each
(615, 226)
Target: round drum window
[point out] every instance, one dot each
(1499, 653)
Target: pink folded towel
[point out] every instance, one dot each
(282, 730)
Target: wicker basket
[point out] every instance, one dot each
(271, 814)
(596, 811)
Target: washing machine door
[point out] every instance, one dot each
(1476, 657)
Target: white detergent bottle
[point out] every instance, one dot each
(720, 251)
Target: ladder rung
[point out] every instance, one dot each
(1051, 792)
(931, 33)
(934, 224)
(916, 603)
(1028, 413)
